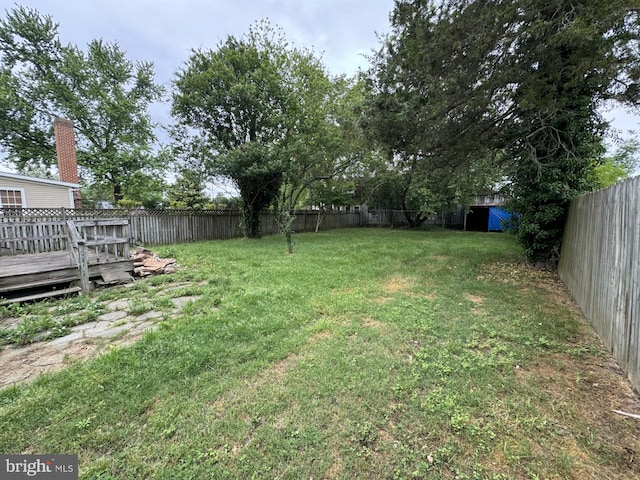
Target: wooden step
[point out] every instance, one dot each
(37, 296)
(38, 283)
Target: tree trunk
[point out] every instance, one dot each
(251, 221)
(406, 212)
(287, 219)
(117, 193)
(319, 219)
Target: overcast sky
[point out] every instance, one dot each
(165, 31)
(342, 32)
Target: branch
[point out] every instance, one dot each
(632, 415)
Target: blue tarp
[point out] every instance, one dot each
(497, 219)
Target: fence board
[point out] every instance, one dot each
(600, 263)
(165, 227)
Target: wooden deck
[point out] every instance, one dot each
(83, 254)
(38, 275)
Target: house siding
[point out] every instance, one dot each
(40, 195)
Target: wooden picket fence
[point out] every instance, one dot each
(600, 263)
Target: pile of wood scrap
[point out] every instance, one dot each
(146, 263)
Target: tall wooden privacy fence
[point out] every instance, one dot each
(165, 227)
(600, 263)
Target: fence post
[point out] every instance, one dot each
(84, 267)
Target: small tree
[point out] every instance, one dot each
(611, 169)
(188, 191)
(286, 227)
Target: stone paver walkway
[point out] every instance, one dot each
(113, 328)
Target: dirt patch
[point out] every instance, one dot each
(596, 379)
(600, 383)
(527, 279)
(372, 323)
(320, 336)
(336, 468)
(397, 283)
(583, 387)
(382, 300)
(476, 301)
(384, 436)
(278, 371)
(588, 390)
(273, 374)
(473, 298)
(522, 275)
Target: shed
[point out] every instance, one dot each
(485, 214)
(21, 191)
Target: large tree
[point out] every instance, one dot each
(570, 57)
(256, 112)
(460, 78)
(430, 107)
(235, 100)
(103, 93)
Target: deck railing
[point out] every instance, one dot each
(78, 254)
(106, 239)
(32, 237)
(95, 241)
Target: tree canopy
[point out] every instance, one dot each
(258, 112)
(103, 93)
(617, 166)
(515, 80)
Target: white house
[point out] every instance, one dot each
(21, 191)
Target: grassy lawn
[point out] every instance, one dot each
(366, 354)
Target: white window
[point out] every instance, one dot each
(12, 198)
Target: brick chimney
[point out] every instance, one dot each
(66, 153)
